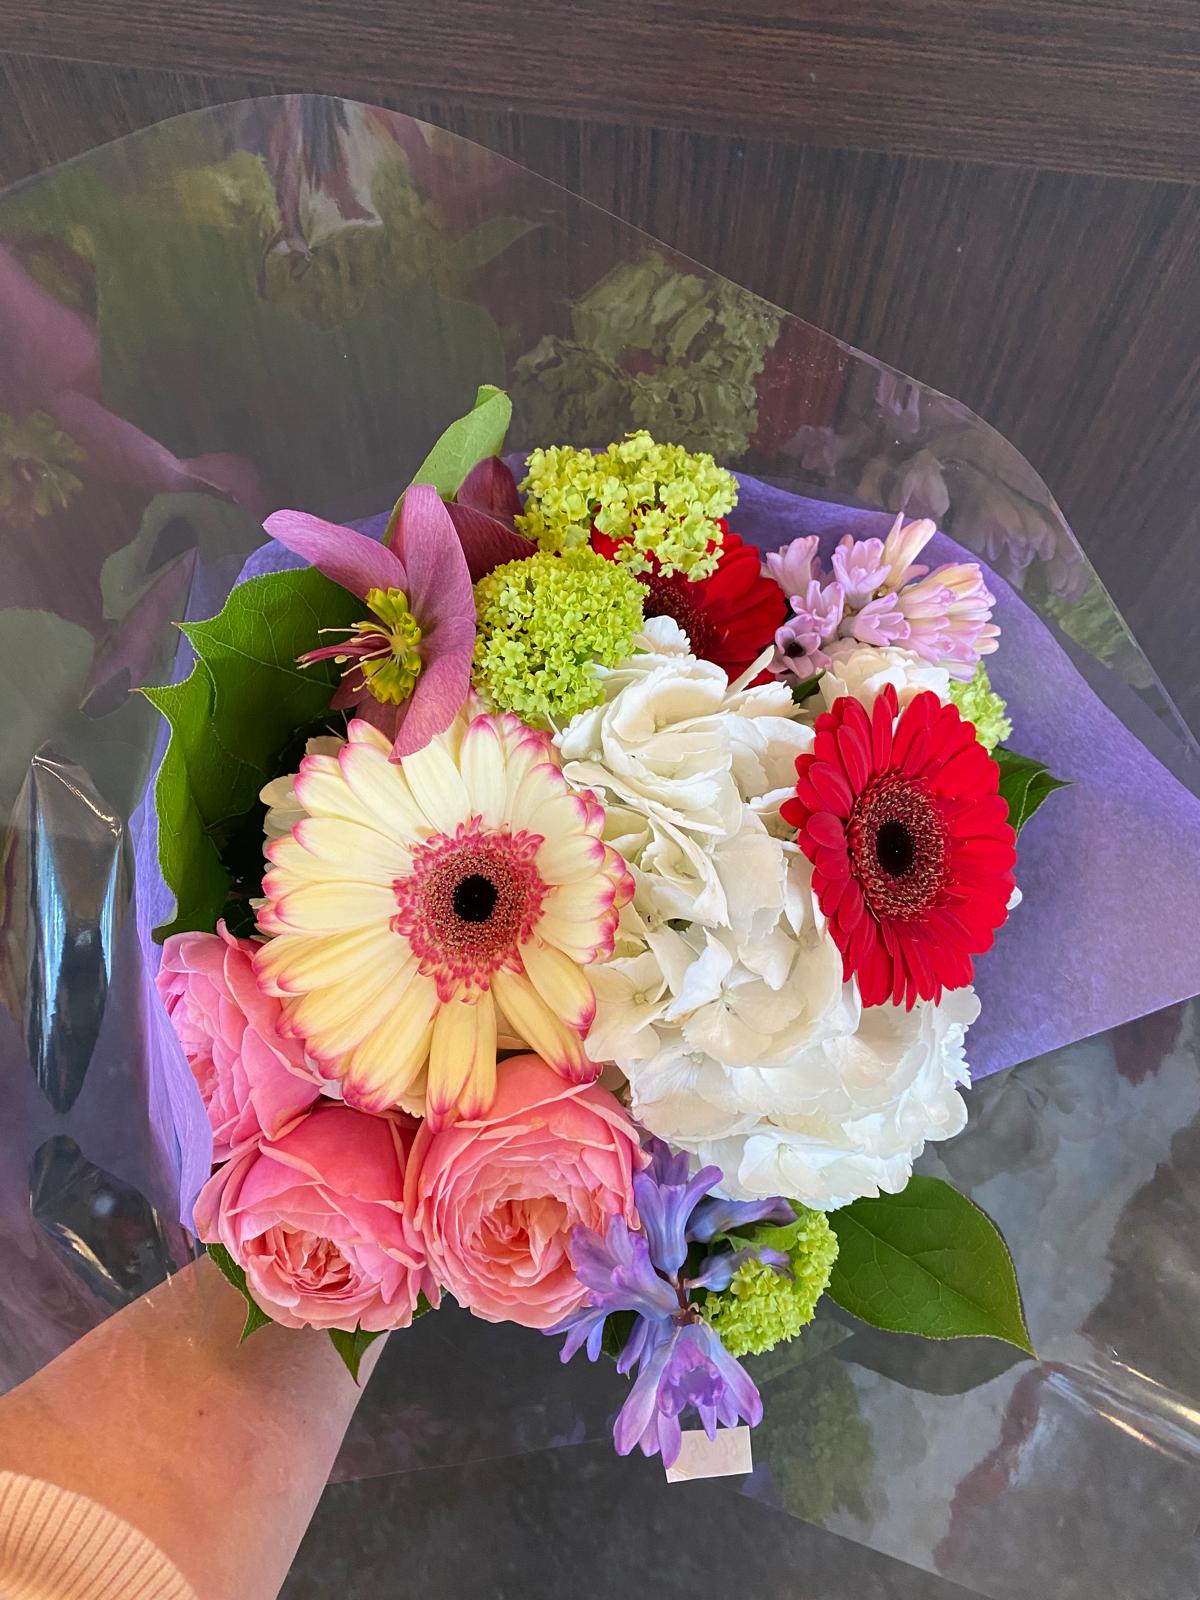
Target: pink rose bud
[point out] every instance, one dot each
(496, 1199)
(253, 1080)
(316, 1220)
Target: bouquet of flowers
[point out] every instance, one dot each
(575, 914)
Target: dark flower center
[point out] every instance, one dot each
(895, 847)
(898, 847)
(671, 597)
(475, 898)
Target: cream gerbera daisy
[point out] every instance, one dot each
(420, 909)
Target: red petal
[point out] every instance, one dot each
(831, 789)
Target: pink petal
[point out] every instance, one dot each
(440, 692)
(350, 559)
(491, 487)
(439, 584)
(47, 347)
(487, 543)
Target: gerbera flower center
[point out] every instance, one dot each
(897, 847)
(669, 597)
(469, 901)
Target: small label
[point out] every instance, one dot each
(726, 1456)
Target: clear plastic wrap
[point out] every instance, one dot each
(284, 302)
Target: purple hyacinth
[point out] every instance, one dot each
(681, 1361)
(878, 594)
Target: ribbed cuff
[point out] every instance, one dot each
(55, 1545)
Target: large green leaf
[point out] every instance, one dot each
(467, 442)
(260, 695)
(230, 719)
(1024, 783)
(199, 785)
(927, 1261)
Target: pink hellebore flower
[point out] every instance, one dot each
(482, 513)
(410, 663)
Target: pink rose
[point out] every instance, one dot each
(496, 1199)
(316, 1219)
(252, 1079)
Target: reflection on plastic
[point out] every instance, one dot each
(283, 302)
(105, 1228)
(67, 874)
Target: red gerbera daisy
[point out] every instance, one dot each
(911, 849)
(730, 617)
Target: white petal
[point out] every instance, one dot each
(482, 761)
(332, 908)
(462, 1060)
(294, 963)
(383, 1068)
(380, 786)
(437, 787)
(544, 1032)
(561, 984)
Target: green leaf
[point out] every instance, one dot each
(230, 719)
(1024, 783)
(927, 1261)
(805, 689)
(352, 1347)
(260, 695)
(464, 445)
(199, 784)
(256, 1317)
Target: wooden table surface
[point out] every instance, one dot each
(999, 199)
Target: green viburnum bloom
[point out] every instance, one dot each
(979, 703)
(665, 350)
(544, 624)
(762, 1307)
(36, 462)
(654, 499)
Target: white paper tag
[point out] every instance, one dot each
(701, 1457)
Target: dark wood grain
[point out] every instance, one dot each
(1063, 308)
(1082, 85)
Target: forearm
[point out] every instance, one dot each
(216, 1451)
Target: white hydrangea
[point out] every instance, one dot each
(864, 669)
(723, 1004)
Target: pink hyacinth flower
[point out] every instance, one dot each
(817, 614)
(880, 622)
(795, 566)
(949, 616)
(427, 568)
(860, 568)
(903, 545)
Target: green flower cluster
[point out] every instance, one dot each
(762, 1307)
(654, 498)
(544, 624)
(979, 703)
(651, 347)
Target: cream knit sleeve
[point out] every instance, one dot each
(55, 1545)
